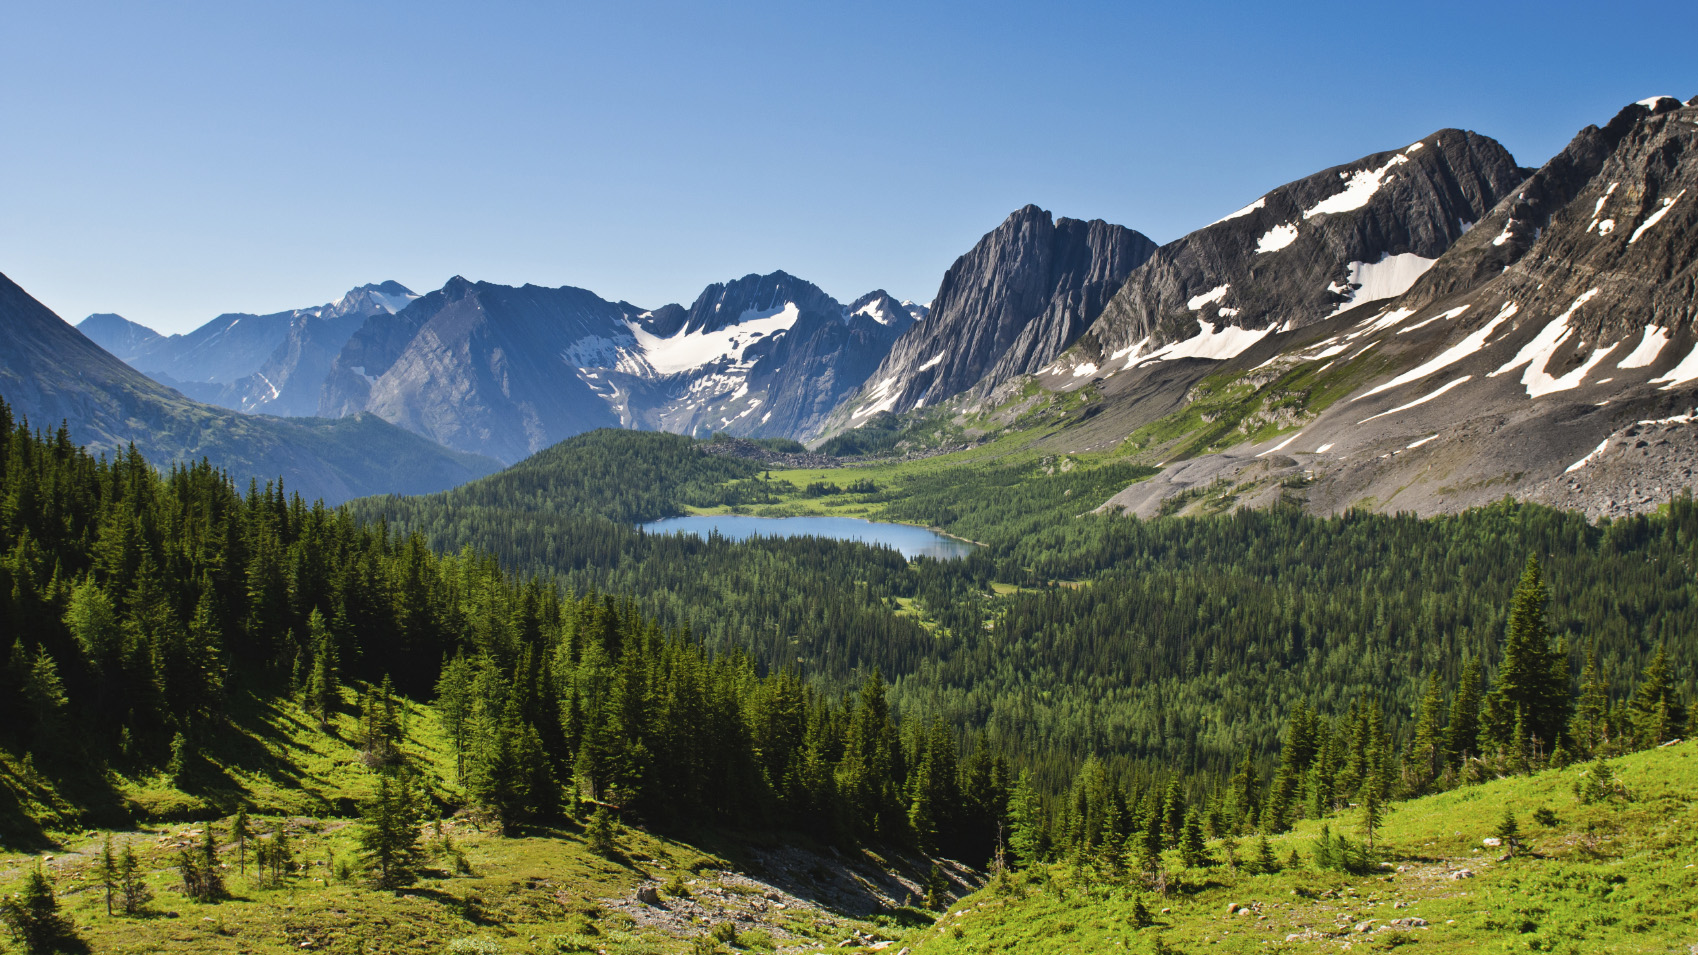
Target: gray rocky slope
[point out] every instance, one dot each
(51, 374)
(1549, 353)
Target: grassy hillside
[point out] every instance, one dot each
(1616, 875)
(543, 891)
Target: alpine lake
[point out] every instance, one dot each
(907, 539)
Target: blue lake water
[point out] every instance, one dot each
(911, 541)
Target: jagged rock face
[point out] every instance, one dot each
(1024, 293)
(1361, 231)
(766, 355)
(1547, 354)
(484, 368)
(50, 374)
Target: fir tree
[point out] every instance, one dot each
(1425, 760)
(132, 884)
(1193, 850)
(1655, 710)
(322, 682)
(1265, 860)
(1027, 834)
(389, 833)
(599, 833)
(1588, 730)
(34, 918)
(240, 832)
(107, 871)
(1509, 831)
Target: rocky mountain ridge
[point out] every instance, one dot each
(51, 374)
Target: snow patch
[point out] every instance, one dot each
(1681, 373)
(1252, 207)
(1537, 353)
(1211, 297)
(1418, 401)
(1507, 233)
(687, 351)
(1323, 449)
(1128, 350)
(1442, 316)
(1411, 447)
(1088, 368)
(1228, 313)
(934, 361)
(1214, 342)
(1588, 458)
(1358, 189)
(1648, 349)
(1277, 238)
(1599, 207)
(1390, 277)
(1606, 227)
(1475, 341)
(1281, 446)
(1650, 102)
(1655, 217)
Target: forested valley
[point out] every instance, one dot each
(1080, 680)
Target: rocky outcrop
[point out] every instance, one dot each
(1364, 230)
(1007, 307)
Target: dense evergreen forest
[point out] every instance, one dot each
(1175, 643)
(142, 608)
(1235, 671)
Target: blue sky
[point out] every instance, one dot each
(175, 161)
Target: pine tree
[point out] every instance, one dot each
(1655, 710)
(1462, 731)
(1426, 751)
(1533, 675)
(131, 882)
(1193, 851)
(240, 833)
(389, 833)
(1027, 834)
(34, 918)
(107, 871)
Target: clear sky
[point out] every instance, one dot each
(172, 161)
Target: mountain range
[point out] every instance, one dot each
(1234, 356)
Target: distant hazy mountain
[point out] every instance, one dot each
(508, 371)
(273, 363)
(50, 374)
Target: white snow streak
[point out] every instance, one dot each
(1450, 356)
(1215, 342)
(1088, 368)
(1537, 353)
(1358, 189)
(1681, 373)
(1417, 401)
(1442, 316)
(933, 363)
(1588, 458)
(1281, 446)
(1252, 207)
(1648, 349)
(1411, 447)
(1655, 217)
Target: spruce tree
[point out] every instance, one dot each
(132, 883)
(322, 683)
(1462, 730)
(1426, 751)
(1027, 834)
(34, 918)
(1265, 860)
(389, 833)
(1193, 850)
(1655, 710)
(1533, 675)
(107, 871)
(1589, 727)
